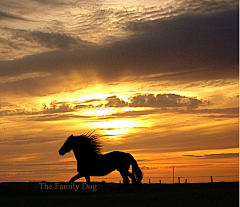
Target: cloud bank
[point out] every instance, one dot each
(193, 47)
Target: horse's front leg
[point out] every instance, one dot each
(87, 179)
(75, 178)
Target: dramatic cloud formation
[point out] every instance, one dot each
(159, 79)
(175, 44)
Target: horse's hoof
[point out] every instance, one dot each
(139, 184)
(126, 183)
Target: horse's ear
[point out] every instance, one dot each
(71, 136)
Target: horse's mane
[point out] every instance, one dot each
(90, 142)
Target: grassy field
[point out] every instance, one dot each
(113, 194)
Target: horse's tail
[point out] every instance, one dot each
(136, 171)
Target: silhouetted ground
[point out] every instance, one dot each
(113, 194)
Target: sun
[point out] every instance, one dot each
(115, 127)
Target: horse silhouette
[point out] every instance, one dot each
(91, 162)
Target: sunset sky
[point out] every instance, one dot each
(158, 79)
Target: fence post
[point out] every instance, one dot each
(211, 179)
(173, 175)
(160, 181)
(185, 181)
(179, 180)
(149, 181)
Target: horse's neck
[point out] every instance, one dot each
(81, 154)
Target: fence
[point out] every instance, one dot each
(176, 180)
(192, 179)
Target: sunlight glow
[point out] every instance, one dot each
(116, 124)
(115, 127)
(97, 112)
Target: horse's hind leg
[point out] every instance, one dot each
(131, 175)
(125, 177)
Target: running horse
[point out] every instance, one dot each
(91, 162)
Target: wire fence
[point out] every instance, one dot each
(188, 179)
(192, 179)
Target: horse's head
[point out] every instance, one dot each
(67, 146)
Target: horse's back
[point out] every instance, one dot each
(117, 155)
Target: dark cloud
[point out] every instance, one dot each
(5, 15)
(53, 2)
(14, 112)
(53, 40)
(55, 107)
(225, 116)
(50, 40)
(204, 45)
(208, 43)
(215, 156)
(165, 100)
(114, 101)
(152, 100)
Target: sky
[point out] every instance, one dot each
(158, 79)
